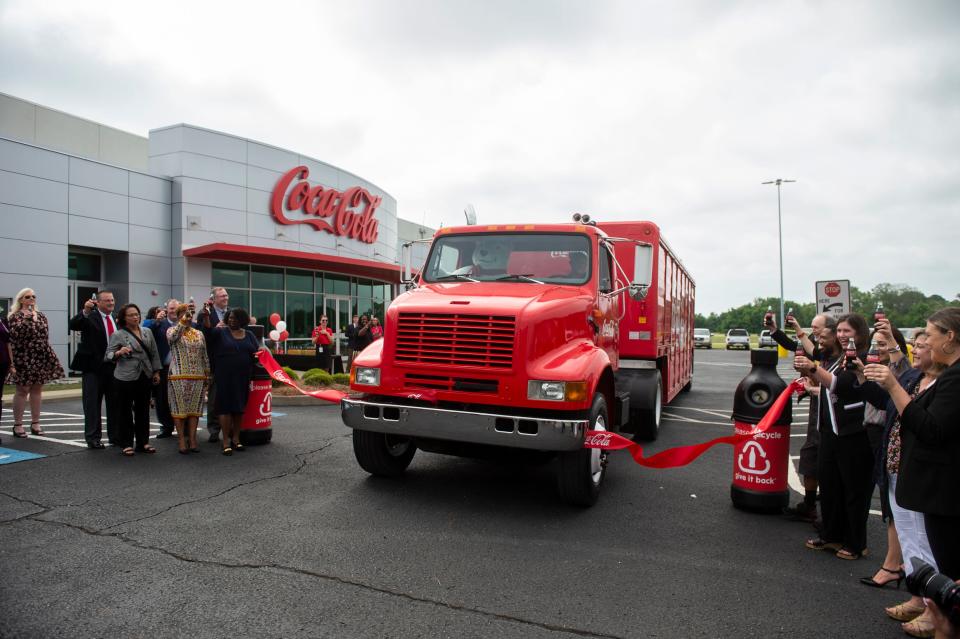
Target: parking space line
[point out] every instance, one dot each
(44, 438)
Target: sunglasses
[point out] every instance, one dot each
(29, 297)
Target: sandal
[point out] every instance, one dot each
(922, 626)
(37, 430)
(19, 433)
(850, 555)
(227, 451)
(147, 448)
(899, 575)
(239, 447)
(904, 611)
(127, 452)
(820, 544)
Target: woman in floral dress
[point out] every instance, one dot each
(34, 362)
(189, 371)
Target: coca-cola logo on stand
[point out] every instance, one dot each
(348, 213)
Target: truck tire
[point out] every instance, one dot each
(381, 454)
(646, 417)
(580, 473)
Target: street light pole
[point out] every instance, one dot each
(778, 182)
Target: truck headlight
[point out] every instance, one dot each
(557, 391)
(367, 376)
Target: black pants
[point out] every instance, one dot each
(97, 387)
(162, 402)
(134, 403)
(845, 474)
(323, 357)
(943, 532)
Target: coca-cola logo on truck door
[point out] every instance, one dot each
(348, 213)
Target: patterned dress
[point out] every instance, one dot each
(33, 357)
(189, 369)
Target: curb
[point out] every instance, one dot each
(49, 395)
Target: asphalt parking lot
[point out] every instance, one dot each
(293, 539)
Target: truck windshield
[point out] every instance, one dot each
(524, 258)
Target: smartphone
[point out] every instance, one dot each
(93, 296)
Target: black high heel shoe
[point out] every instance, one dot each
(868, 581)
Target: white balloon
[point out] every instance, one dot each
(275, 335)
(281, 326)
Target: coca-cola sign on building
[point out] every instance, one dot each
(348, 214)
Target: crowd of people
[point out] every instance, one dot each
(362, 331)
(875, 420)
(174, 360)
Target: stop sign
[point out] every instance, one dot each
(832, 289)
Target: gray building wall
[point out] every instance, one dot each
(222, 189)
(39, 125)
(51, 201)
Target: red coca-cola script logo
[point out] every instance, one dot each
(832, 289)
(598, 440)
(350, 212)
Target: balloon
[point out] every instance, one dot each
(284, 335)
(281, 326)
(275, 335)
(274, 318)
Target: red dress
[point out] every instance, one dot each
(33, 357)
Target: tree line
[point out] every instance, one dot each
(904, 305)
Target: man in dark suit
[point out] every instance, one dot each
(351, 334)
(166, 319)
(220, 300)
(96, 324)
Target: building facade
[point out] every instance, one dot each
(84, 207)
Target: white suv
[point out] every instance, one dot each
(738, 338)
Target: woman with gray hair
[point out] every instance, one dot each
(34, 362)
(138, 366)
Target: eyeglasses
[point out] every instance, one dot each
(323, 321)
(29, 297)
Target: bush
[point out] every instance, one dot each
(318, 378)
(342, 378)
(289, 371)
(313, 371)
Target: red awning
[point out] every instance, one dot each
(383, 271)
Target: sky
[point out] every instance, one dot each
(531, 110)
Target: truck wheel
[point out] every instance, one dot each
(647, 420)
(580, 472)
(382, 454)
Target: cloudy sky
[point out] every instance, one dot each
(530, 109)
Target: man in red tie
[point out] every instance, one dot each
(96, 324)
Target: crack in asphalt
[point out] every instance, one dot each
(301, 458)
(134, 543)
(126, 539)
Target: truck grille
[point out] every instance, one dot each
(484, 341)
(441, 382)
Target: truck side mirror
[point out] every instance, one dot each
(406, 256)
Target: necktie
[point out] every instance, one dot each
(109, 322)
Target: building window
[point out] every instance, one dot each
(83, 267)
(231, 276)
(299, 296)
(267, 277)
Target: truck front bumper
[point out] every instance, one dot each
(478, 428)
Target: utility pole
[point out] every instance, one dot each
(778, 182)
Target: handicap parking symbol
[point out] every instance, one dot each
(10, 456)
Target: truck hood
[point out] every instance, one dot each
(469, 297)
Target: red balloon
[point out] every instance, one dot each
(274, 318)
(284, 335)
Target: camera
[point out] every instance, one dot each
(925, 581)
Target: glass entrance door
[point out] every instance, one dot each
(78, 292)
(337, 309)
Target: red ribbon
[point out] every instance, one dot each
(277, 373)
(602, 439)
(683, 455)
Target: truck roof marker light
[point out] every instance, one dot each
(528, 227)
(492, 228)
(510, 227)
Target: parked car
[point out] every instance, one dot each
(766, 341)
(701, 338)
(738, 338)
